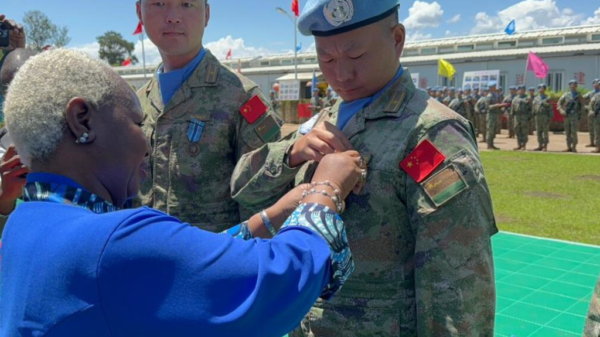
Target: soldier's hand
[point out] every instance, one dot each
(16, 36)
(13, 179)
(322, 140)
(343, 170)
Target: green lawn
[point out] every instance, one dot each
(549, 195)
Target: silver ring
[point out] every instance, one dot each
(361, 162)
(363, 176)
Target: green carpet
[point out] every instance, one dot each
(544, 287)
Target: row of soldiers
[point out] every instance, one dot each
(525, 111)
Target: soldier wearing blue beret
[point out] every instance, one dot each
(571, 106)
(510, 121)
(417, 274)
(591, 116)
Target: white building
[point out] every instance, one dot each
(571, 53)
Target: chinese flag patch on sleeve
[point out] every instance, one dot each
(424, 159)
(253, 109)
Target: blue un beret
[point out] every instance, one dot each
(491, 84)
(512, 87)
(451, 89)
(572, 82)
(523, 87)
(467, 87)
(542, 85)
(531, 88)
(597, 80)
(332, 17)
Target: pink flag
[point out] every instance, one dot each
(537, 65)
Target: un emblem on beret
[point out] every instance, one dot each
(338, 12)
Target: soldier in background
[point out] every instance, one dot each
(590, 113)
(571, 107)
(543, 113)
(521, 113)
(510, 121)
(494, 110)
(439, 95)
(274, 101)
(595, 108)
(471, 110)
(532, 122)
(450, 97)
(316, 103)
(481, 109)
(329, 100)
(460, 105)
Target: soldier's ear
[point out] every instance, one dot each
(399, 33)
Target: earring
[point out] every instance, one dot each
(83, 139)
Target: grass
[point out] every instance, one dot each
(548, 195)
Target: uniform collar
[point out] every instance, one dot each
(206, 74)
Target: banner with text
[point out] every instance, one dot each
(481, 78)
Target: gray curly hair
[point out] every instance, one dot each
(38, 97)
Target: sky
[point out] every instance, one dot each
(254, 28)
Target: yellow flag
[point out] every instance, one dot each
(446, 69)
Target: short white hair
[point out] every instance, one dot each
(40, 92)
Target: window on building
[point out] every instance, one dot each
(595, 37)
(410, 52)
(465, 47)
(527, 43)
(264, 63)
(310, 60)
(245, 64)
(555, 80)
(576, 39)
(503, 82)
(287, 62)
(446, 82)
(446, 50)
(428, 51)
(552, 40)
(507, 44)
(485, 46)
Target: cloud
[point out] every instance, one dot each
(89, 48)
(529, 15)
(151, 51)
(594, 20)
(417, 36)
(424, 15)
(238, 46)
(454, 19)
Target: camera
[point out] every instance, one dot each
(4, 34)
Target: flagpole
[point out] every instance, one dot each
(525, 72)
(143, 54)
(295, 48)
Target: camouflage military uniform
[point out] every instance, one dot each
(460, 106)
(521, 112)
(571, 107)
(329, 101)
(595, 109)
(543, 113)
(590, 116)
(190, 178)
(274, 104)
(493, 112)
(510, 122)
(481, 109)
(592, 326)
(422, 251)
(471, 115)
(446, 101)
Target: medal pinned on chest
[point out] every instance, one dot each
(194, 134)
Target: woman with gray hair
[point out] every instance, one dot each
(74, 264)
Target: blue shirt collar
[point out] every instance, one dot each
(51, 187)
(349, 109)
(171, 81)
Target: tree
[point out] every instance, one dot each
(41, 31)
(114, 49)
